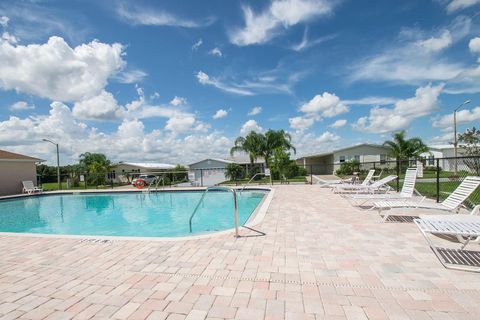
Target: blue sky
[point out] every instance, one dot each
(178, 81)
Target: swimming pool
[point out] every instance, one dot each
(132, 214)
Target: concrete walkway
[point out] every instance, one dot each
(319, 259)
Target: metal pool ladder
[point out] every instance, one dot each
(235, 205)
(256, 174)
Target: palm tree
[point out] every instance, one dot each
(250, 144)
(276, 140)
(405, 149)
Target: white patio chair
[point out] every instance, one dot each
(465, 227)
(376, 187)
(29, 187)
(407, 191)
(352, 181)
(453, 202)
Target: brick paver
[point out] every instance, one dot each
(320, 259)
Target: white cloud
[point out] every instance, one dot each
(306, 43)
(205, 79)
(4, 21)
(474, 45)
(338, 124)
(435, 44)
(215, 52)
(101, 107)
(221, 113)
(56, 71)
(381, 120)
(279, 16)
(372, 100)
(197, 44)
(9, 38)
(415, 57)
(254, 111)
(131, 76)
(130, 142)
(328, 137)
(463, 116)
(326, 105)
(178, 101)
(301, 123)
(455, 5)
(249, 126)
(21, 105)
(138, 15)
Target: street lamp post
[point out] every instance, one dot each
(58, 162)
(455, 131)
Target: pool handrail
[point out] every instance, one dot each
(235, 205)
(256, 174)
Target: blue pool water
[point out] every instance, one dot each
(156, 214)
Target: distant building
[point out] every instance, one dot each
(329, 162)
(124, 171)
(15, 168)
(211, 171)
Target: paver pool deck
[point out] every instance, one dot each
(320, 259)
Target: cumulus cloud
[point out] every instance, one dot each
(178, 101)
(249, 126)
(56, 71)
(254, 111)
(215, 52)
(101, 107)
(138, 15)
(338, 124)
(310, 143)
(221, 113)
(474, 45)
(463, 116)
(326, 105)
(129, 142)
(381, 120)
(456, 5)
(328, 137)
(21, 105)
(276, 18)
(301, 123)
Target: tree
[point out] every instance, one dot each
(250, 144)
(405, 149)
(234, 172)
(275, 140)
(97, 166)
(470, 141)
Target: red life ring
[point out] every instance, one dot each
(139, 183)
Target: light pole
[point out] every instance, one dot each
(455, 130)
(58, 163)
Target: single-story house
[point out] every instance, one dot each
(211, 171)
(15, 168)
(124, 171)
(444, 152)
(329, 162)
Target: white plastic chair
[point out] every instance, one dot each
(452, 203)
(378, 186)
(407, 191)
(29, 187)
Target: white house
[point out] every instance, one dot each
(329, 162)
(123, 171)
(446, 154)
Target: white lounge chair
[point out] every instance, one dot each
(465, 227)
(453, 202)
(345, 183)
(407, 191)
(29, 187)
(376, 187)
